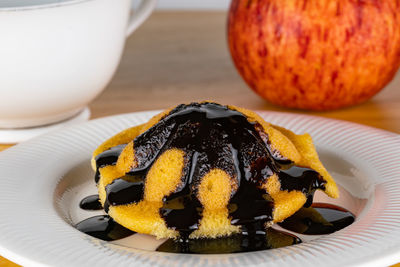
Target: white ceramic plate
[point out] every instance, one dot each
(42, 181)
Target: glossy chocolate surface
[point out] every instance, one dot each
(91, 202)
(108, 157)
(319, 219)
(103, 227)
(245, 242)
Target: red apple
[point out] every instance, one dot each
(315, 54)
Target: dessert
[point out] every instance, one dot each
(205, 170)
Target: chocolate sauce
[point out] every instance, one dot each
(91, 203)
(212, 136)
(319, 219)
(254, 238)
(121, 192)
(108, 157)
(251, 204)
(103, 227)
(289, 179)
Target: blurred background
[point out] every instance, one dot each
(181, 54)
(192, 4)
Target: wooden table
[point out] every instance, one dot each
(178, 57)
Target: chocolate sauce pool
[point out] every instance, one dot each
(91, 203)
(212, 136)
(104, 228)
(319, 219)
(247, 241)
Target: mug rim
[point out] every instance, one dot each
(29, 7)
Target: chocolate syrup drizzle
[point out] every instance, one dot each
(108, 157)
(212, 136)
(91, 202)
(104, 228)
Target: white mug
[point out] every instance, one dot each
(56, 56)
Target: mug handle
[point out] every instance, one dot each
(140, 15)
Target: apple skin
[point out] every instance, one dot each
(315, 54)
